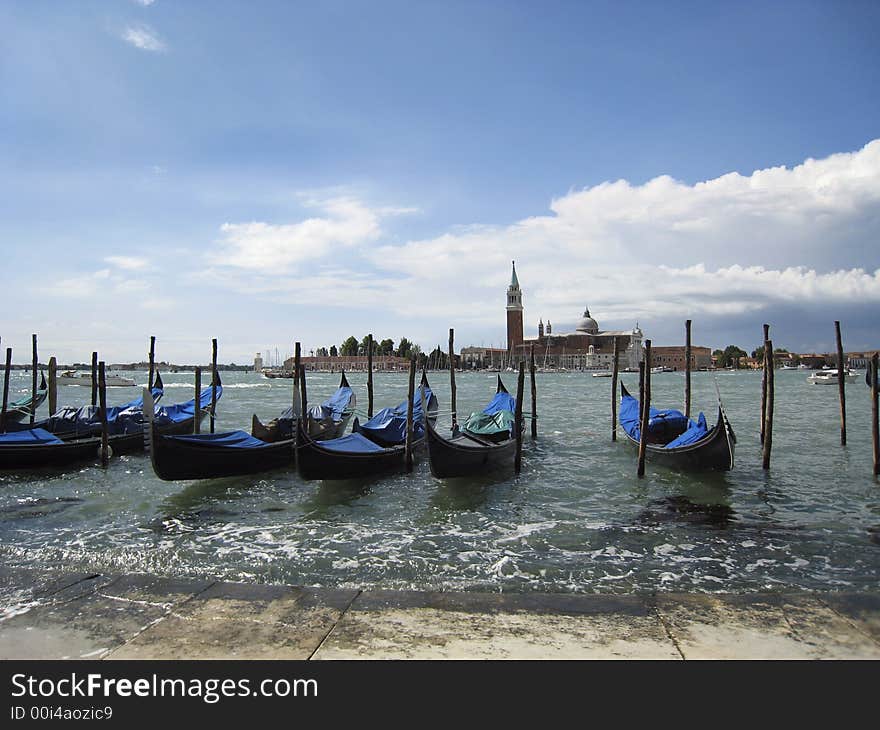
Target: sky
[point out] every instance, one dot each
(272, 172)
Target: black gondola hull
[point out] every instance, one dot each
(462, 456)
(35, 456)
(175, 459)
(315, 462)
(714, 452)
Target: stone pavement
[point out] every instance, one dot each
(52, 615)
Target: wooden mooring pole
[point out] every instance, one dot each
(304, 396)
(452, 375)
(641, 389)
(53, 385)
(645, 410)
(687, 368)
(841, 383)
(197, 409)
(152, 362)
(34, 363)
(534, 393)
(409, 415)
(213, 380)
(6, 372)
(764, 383)
(102, 399)
(768, 420)
(296, 394)
(94, 378)
(518, 416)
(615, 372)
(875, 409)
(370, 375)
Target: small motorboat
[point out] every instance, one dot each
(74, 377)
(829, 376)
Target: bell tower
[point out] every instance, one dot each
(514, 313)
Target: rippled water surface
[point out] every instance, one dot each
(576, 520)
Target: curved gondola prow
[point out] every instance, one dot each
(157, 383)
(149, 410)
(500, 388)
(43, 385)
(343, 381)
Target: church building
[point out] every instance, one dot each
(586, 347)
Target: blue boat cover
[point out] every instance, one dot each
(662, 424)
(497, 417)
(29, 436)
(333, 409)
(501, 402)
(230, 439)
(694, 432)
(182, 411)
(86, 420)
(389, 425)
(353, 443)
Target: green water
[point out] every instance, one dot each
(576, 520)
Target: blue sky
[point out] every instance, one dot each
(265, 172)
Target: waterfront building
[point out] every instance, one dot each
(588, 347)
(674, 357)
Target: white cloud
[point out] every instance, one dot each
(145, 3)
(144, 37)
(732, 249)
(728, 245)
(129, 263)
(267, 248)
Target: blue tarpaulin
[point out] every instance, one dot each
(333, 409)
(353, 443)
(229, 439)
(694, 433)
(29, 436)
(388, 426)
(668, 428)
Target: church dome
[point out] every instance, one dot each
(588, 324)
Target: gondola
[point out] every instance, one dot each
(36, 447)
(679, 442)
(485, 442)
(82, 422)
(18, 410)
(211, 455)
(325, 421)
(81, 439)
(375, 447)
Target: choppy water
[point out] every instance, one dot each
(576, 520)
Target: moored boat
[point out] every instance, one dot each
(73, 377)
(484, 443)
(325, 421)
(18, 410)
(829, 376)
(679, 442)
(376, 447)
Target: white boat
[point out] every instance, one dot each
(790, 367)
(72, 377)
(662, 369)
(602, 375)
(830, 376)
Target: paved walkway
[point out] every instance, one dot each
(48, 615)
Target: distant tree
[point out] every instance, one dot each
(729, 356)
(349, 347)
(333, 351)
(386, 347)
(404, 348)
